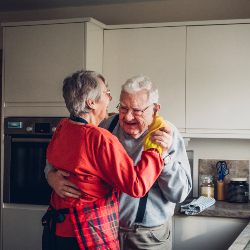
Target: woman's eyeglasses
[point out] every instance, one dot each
(108, 93)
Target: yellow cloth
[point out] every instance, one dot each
(157, 123)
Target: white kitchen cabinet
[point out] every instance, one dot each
(158, 53)
(39, 55)
(218, 79)
(205, 233)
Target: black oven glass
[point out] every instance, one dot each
(25, 144)
(27, 182)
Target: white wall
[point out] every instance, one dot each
(223, 149)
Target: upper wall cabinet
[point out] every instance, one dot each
(158, 53)
(39, 55)
(218, 79)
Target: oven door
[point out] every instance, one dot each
(24, 180)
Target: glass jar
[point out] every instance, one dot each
(207, 186)
(238, 189)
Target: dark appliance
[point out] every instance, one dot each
(238, 189)
(25, 143)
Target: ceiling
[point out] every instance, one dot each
(114, 12)
(15, 5)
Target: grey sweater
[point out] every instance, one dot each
(172, 186)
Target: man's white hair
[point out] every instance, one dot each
(138, 83)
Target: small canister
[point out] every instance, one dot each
(238, 189)
(207, 186)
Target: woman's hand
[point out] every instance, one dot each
(57, 179)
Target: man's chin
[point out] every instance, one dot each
(133, 132)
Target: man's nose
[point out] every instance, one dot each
(129, 115)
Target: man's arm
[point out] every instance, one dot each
(57, 179)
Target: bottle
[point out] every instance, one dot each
(220, 190)
(207, 186)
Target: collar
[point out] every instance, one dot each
(78, 119)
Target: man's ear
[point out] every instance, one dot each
(91, 103)
(157, 107)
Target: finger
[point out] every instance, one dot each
(162, 144)
(166, 129)
(161, 133)
(72, 191)
(62, 195)
(68, 194)
(159, 138)
(70, 184)
(63, 173)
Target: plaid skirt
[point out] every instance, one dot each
(95, 225)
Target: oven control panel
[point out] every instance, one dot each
(31, 125)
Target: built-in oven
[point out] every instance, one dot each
(25, 143)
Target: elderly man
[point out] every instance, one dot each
(145, 222)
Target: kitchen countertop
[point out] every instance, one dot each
(223, 209)
(227, 209)
(242, 242)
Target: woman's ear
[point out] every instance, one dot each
(91, 103)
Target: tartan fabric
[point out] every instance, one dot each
(96, 224)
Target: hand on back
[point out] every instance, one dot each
(57, 179)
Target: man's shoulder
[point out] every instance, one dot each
(173, 127)
(107, 122)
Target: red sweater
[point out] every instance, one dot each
(98, 163)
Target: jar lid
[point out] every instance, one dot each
(238, 179)
(208, 178)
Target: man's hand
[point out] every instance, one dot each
(57, 179)
(164, 138)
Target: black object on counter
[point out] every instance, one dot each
(238, 189)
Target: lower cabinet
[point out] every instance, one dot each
(201, 233)
(22, 228)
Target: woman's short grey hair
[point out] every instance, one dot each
(80, 87)
(141, 82)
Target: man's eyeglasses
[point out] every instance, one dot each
(135, 112)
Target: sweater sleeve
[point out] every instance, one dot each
(118, 168)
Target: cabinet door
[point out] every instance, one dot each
(158, 53)
(93, 47)
(218, 78)
(37, 58)
(205, 233)
(22, 227)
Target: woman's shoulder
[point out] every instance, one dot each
(102, 134)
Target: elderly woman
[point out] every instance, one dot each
(98, 166)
